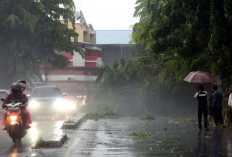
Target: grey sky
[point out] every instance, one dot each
(108, 14)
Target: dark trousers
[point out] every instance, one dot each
(202, 110)
(218, 119)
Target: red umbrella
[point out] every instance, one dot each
(199, 77)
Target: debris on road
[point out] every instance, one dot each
(147, 117)
(74, 122)
(50, 143)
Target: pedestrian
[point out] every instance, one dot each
(201, 96)
(229, 109)
(217, 105)
(211, 109)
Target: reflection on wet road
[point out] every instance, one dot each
(126, 137)
(46, 127)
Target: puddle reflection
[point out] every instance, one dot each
(58, 131)
(45, 129)
(14, 153)
(210, 143)
(50, 118)
(34, 132)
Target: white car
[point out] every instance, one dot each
(50, 100)
(3, 94)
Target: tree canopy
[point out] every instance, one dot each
(171, 39)
(187, 35)
(31, 34)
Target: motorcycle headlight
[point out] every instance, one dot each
(13, 118)
(33, 104)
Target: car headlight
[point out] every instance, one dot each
(33, 104)
(70, 105)
(63, 105)
(59, 104)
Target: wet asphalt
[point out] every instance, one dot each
(133, 137)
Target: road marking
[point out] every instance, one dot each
(71, 147)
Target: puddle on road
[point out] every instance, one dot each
(112, 138)
(40, 118)
(48, 130)
(180, 139)
(14, 153)
(33, 132)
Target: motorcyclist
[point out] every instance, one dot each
(28, 119)
(16, 95)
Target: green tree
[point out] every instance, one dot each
(179, 37)
(187, 35)
(122, 87)
(177, 32)
(221, 40)
(31, 34)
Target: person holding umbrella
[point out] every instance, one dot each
(201, 77)
(201, 96)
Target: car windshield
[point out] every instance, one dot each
(47, 92)
(3, 94)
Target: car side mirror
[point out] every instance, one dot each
(64, 94)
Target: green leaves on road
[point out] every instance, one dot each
(140, 135)
(147, 117)
(208, 137)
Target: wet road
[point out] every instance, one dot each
(46, 127)
(133, 137)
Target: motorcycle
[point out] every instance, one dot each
(14, 123)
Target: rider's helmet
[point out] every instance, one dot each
(15, 88)
(22, 84)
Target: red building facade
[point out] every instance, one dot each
(80, 75)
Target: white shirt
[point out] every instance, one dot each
(195, 96)
(230, 100)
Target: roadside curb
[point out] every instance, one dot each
(74, 122)
(50, 143)
(71, 124)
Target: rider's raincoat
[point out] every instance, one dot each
(20, 97)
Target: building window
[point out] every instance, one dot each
(86, 36)
(91, 53)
